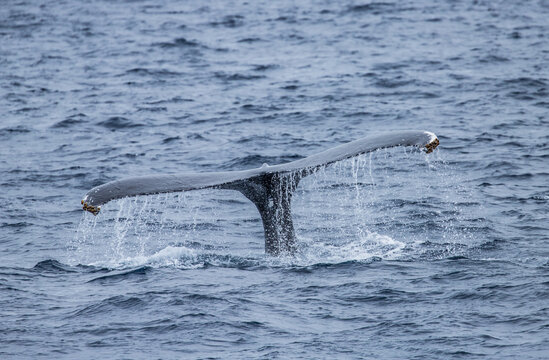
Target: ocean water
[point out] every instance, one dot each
(401, 254)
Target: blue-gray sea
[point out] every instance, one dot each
(401, 254)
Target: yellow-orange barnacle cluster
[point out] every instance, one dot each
(432, 145)
(93, 209)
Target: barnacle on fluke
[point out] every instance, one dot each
(93, 209)
(432, 145)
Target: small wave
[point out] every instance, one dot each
(52, 266)
(489, 245)
(19, 224)
(14, 130)
(70, 121)
(237, 77)
(175, 100)
(178, 43)
(265, 67)
(490, 59)
(526, 88)
(153, 109)
(111, 304)
(171, 139)
(383, 297)
(249, 40)
(153, 72)
(390, 66)
(524, 176)
(286, 19)
(374, 8)
(392, 83)
(409, 94)
(121, 276)
(430, 250)
(543, 104)
(255, 109)
(26, 109)
(451, 276)
(118, 122)
(229, 21)
(54, 179)
(290, 87)
(525, 82)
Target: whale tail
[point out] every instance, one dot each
(270, 188)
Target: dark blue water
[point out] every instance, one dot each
(400, 254)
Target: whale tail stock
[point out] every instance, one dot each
(270, 188)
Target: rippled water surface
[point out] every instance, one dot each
(401, 254)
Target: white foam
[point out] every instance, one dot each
(170, 256)
(368, 246)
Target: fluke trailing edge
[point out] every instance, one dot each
(270, 188)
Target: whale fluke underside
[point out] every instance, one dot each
(270, 188)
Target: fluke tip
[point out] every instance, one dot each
(432, 145)
(93, 209)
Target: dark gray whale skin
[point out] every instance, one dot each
(270, 188)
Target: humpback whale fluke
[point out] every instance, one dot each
(270, 188)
